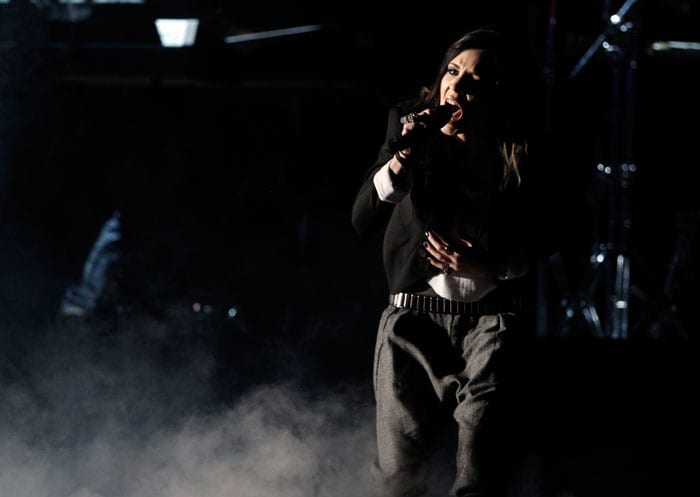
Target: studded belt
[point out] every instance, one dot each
(489, 304)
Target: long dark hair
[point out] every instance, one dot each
(512, 146)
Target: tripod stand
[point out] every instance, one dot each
(663, 318)
(601, 301)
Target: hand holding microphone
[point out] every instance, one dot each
(426, 124)
(437, 116)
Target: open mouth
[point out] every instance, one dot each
(456, 112)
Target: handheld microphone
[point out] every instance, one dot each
(436, 119)
(438, 116)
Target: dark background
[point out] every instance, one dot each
(235, 166)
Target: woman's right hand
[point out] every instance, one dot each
(402, 157)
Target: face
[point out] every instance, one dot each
(466, 85)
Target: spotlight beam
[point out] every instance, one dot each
(272, 33)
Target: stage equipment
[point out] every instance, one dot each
(602, 297)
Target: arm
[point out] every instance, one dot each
(386, 182)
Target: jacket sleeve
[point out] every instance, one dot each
(369, 213)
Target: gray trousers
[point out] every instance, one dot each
(430, 364)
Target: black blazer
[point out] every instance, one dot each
(444, 192)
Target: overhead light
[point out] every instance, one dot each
(259, 35)
(177, 32)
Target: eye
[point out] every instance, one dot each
(452, 71)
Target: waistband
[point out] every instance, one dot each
(490, 304)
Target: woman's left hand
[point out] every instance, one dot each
(458, 255)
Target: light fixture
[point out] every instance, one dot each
(177, 32)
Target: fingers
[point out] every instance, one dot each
(415, 119)
(440, 253)
(436, 240)
(444, 267)
(449, 256)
